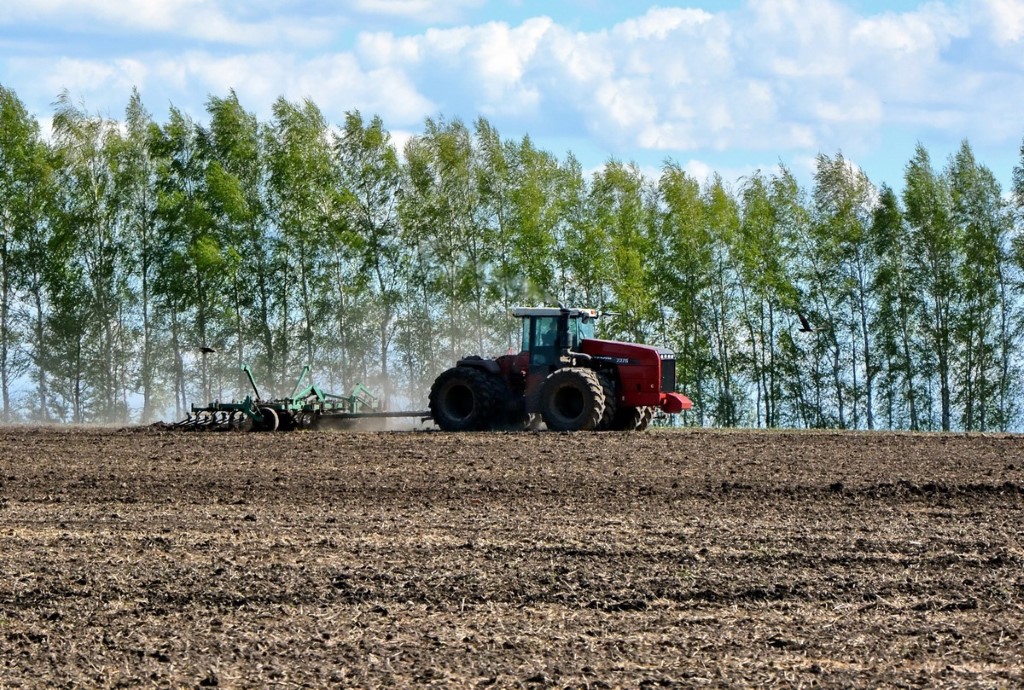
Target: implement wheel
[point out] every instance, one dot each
(465, 399)
(270, 421)
(572, 399)
(240, 421)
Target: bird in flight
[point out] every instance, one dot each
(805, 325)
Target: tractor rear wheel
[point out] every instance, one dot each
(572, 399)
(465, 399)
(611, 401)
(632, 418)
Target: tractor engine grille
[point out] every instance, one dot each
(668, 372)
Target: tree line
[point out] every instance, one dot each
(128, 245)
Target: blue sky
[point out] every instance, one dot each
(715, 86)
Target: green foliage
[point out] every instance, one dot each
(840, 295)
(980, 217)
(936, 258)
(682, 277)
(126, 247)
(25, 195)
(897, 324)
(773, 218)
(368, 178)
(623, 214)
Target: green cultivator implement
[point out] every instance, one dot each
(303, 409)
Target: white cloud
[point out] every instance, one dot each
(255, 77)
(336, 83)
(503, 52)
(795, 38)
(581, 58)
(626, 103)
(1007, 19)
(501, 55)
(774, 76)
(704, 172)
(419, 10)
(494, 55)
(699, 170)
(902, 37)
(384, 48)
(851, 103)
(91, 80)
(401, 137)
(668, 136)
(46, 128)
(659, 23)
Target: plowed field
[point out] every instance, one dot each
(159, 558)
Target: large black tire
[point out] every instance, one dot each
(509, 408)
(611, 400)
(632, 418)
(465, 399)
(572, 399)
(515, 417)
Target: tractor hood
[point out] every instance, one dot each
(647, 374)
(625, 353)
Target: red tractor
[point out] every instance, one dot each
(562, 375)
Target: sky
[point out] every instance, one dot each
(728, 87)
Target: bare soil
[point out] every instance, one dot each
(663, 559)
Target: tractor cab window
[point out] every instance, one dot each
(581, 328)
(540, 339)
(547, 331)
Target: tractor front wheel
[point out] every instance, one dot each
(464, 399)
(572, 399)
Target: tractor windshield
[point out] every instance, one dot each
(540, 335)
(582, 327)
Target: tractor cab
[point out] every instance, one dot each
(549, 333)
